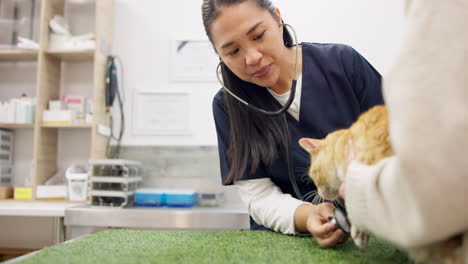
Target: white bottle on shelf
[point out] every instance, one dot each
(77, 178)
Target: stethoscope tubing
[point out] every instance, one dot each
(277, 112)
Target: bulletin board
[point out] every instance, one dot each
(192, 60)
(161, 113)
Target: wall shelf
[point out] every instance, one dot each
(18, 55)
(16, 126)
(50, 82)
(73, 55)
(67, 126)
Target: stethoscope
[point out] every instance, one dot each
(339, 217)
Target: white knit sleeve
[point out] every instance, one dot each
(268, 205)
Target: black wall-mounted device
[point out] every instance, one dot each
(111, 81)
(116, 111)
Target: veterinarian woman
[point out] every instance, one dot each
(259, 60)
(419, 196)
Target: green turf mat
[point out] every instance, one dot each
(130, 246)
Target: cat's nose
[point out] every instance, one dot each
(330, 194)
(325, 193)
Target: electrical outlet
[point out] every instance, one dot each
(103, 130)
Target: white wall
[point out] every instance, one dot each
(373, 27)
(142, 35)
(143, 31)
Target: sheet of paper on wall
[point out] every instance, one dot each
(193, 60)
(161, 113)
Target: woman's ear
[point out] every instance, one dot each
(278, 17)
(310, 145)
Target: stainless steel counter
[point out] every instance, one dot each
(82, 220)
(32, 224)
(34, 208)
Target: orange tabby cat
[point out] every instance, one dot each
(370, 139)
(329, 157)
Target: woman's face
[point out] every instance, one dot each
(249, 41)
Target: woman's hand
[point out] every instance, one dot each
(326, 234)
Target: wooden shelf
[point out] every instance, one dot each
(16, 126)
(73, 55)
(71, 126)
(18, 55)
(11, 253)
(50, 80)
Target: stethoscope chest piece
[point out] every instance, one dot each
(341, 220)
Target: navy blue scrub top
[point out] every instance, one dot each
(338, 84)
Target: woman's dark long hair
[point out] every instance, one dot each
(255, 137)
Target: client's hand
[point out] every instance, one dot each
(351, 157)
(326, 234)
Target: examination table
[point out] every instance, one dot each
(133, 246)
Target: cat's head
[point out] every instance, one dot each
(327, 163)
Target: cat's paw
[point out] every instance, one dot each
(421, 255)
(361, 239)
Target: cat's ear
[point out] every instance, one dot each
(310, 145)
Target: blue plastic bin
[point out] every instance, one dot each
(148, 197)
(181, 198)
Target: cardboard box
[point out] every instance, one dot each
(56, 105)
(58, 117)
(23, 193)
(76, 103)
(6, 192)
(51, 192)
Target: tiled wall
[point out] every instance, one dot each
(180, 167)
(200, 162)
